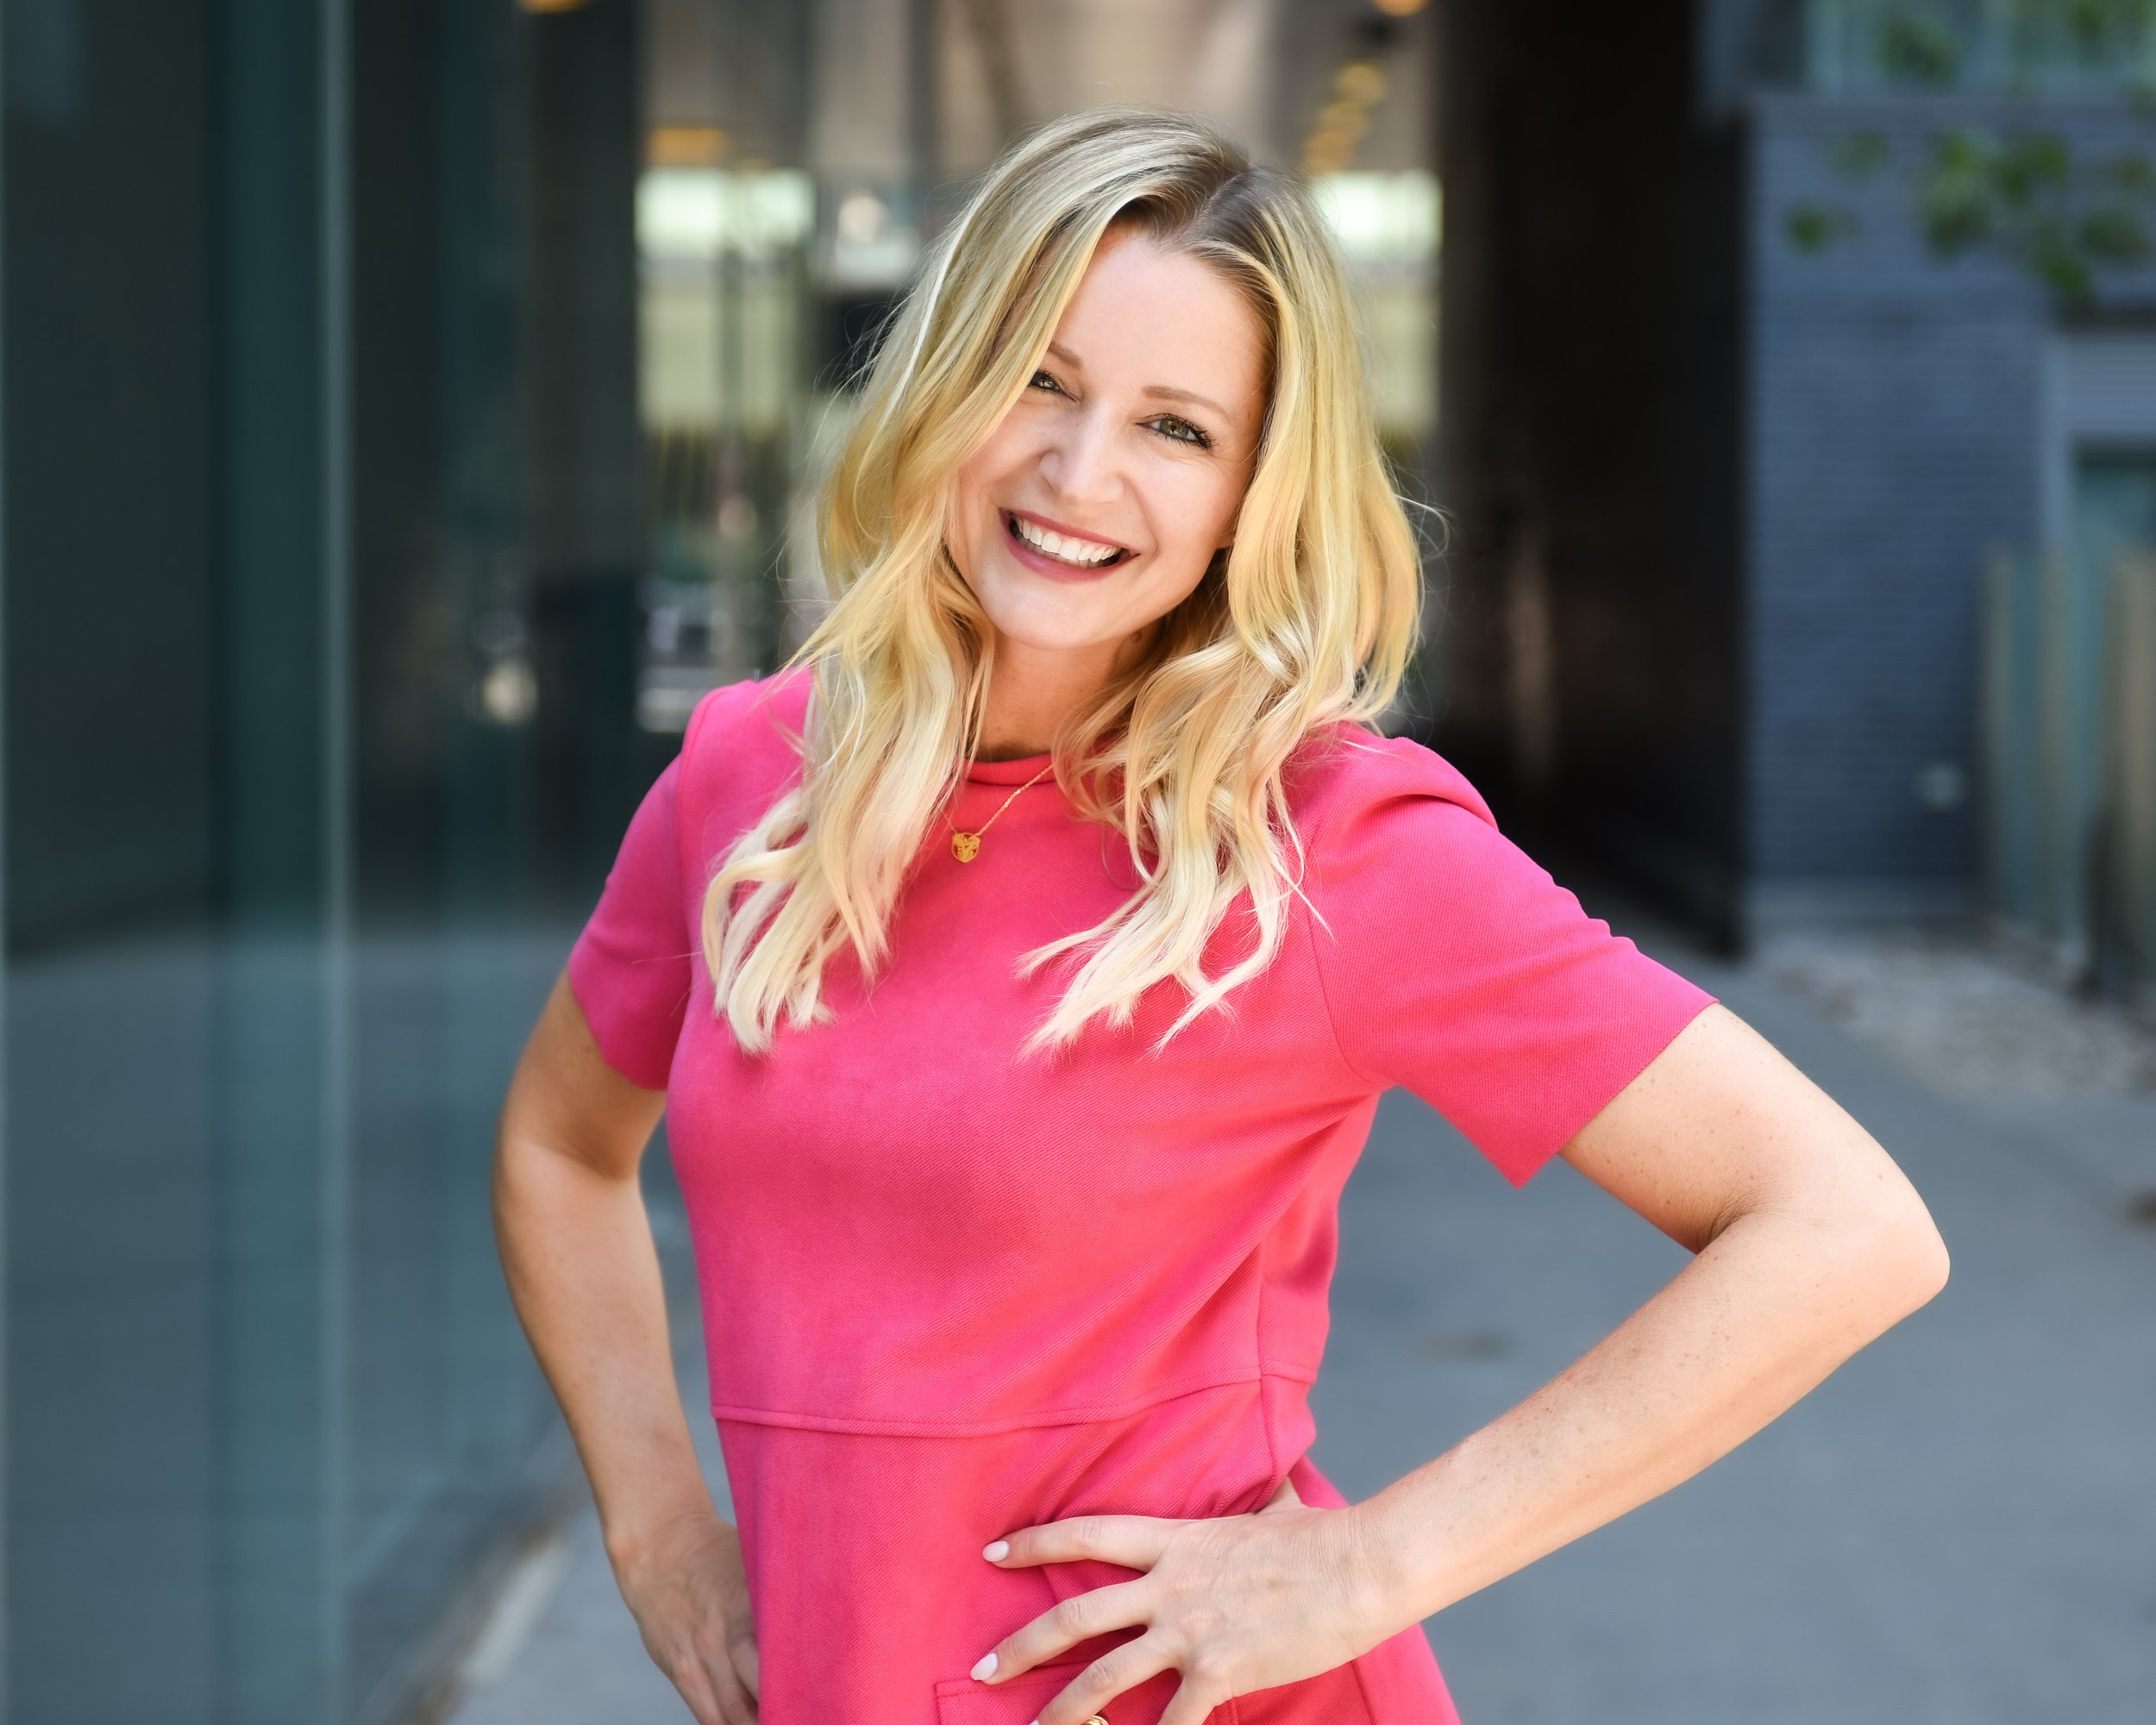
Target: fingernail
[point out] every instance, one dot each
(994, 1549)
(982, 1670)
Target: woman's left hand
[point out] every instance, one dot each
(1234, 1603)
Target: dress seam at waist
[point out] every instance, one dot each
(1085, 1415)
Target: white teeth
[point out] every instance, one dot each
(1083, 554)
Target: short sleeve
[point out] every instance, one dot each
(630, 967)
(1454, 965)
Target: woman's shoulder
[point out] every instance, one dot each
(756, 714)
(741, 747)
(1342, 774)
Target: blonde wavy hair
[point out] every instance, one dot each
(1309, 618)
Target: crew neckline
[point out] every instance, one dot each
(1007, 772)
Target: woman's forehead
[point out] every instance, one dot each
(1162, 322)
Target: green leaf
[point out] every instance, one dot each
(2049, 249)
(1956, 197)
(1813, 227)
(2032, 163)
(2066, 274)
(2090, 25)
(2114, 234)
(1962, 150)
(1859, 154)
(1916, 49)
(2130, 171)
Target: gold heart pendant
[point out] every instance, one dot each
(965, 846)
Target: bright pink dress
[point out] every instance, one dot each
(947, 1293)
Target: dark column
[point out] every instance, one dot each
(587, 489)
(1590, 676)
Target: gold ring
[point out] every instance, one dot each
(1096, 1720)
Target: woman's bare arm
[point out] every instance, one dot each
(1808, 1242)
(584, 1275)
(583, 1272)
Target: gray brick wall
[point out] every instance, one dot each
(1892, 421)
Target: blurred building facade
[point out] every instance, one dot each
(409, 406)
(1799, 408)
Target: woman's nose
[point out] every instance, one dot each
(1082, 463)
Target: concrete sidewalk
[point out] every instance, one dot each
(1957, 1526)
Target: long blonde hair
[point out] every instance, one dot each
(1308, 617)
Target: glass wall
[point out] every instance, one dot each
(324, 517)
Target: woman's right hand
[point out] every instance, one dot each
(688, 1589)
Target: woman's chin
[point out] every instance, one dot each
(1053, 622)
(1046, 617)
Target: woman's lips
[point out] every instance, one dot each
(1049, 566)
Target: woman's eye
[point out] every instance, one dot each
(1185, 432)
(1052, 384)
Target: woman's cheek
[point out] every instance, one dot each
(1204, 517)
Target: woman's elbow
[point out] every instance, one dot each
(1907, 1255)
(1873, 1243)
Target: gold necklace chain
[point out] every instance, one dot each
(965, 846)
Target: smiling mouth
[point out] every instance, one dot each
(1056, 547)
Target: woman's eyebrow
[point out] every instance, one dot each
(1167, 394)
(1162, 390)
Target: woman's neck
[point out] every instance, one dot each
(1031, 692)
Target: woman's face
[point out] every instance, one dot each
(1096, 504)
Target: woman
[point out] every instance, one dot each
(1020, 971)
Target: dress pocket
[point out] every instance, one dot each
(1334, 1698)
(961, 1701)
